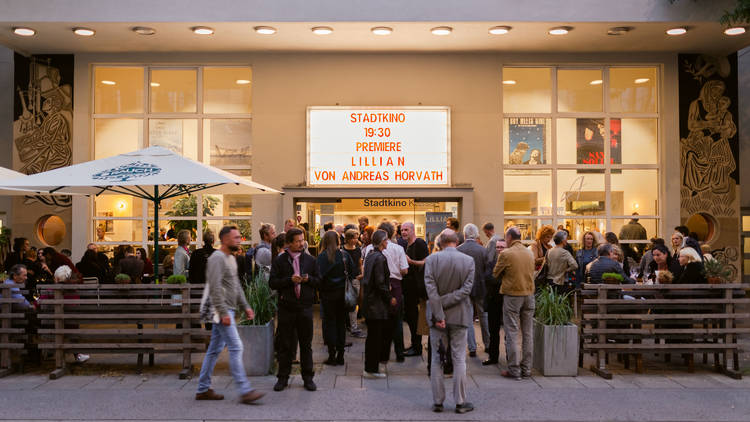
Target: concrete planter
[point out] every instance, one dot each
(556, 349)
(257, 342)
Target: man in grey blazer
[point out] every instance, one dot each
(448, 278)
(478, 253)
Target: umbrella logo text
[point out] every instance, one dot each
(127, 172)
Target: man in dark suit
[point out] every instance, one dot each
(294, 275)
(478, 292)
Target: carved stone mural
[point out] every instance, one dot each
(709, 149)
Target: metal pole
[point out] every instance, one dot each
(157, 201)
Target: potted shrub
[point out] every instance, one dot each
(555, 337)
(122, 279)
(612, 278)
(176, 279)
(257, 334)
(716, 272)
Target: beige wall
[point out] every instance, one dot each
(284, 85)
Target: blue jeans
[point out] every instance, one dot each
(222, 335)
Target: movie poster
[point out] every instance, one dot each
(591, 134)
(526, 140)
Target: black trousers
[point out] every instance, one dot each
(334, 323)
(411, 316)
(495, 321)
(377, 331)
(301, 321)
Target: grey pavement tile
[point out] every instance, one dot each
(324, 381)
(375, 384)
(68, 382)
(408, 382)
(557, 382)
(22, 382)
(696, 381)
(593, 381)
(102, 383)
(348, 382)
(498, 382)
(730, 382)
(129, 382)
(218, 382)
(162, 382)
(622, 381)
(652, 381)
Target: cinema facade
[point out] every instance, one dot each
(498, 113)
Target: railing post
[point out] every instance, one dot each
(187, 326)
(6, 308)
(59, 311)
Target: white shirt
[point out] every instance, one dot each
(396, 257)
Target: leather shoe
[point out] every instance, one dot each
(281, 384)
(251, 397)
(412, 352)
(473, 354)
(208, 395)
(437, 408)
(310, 385)
(489, 362)
(463, 408)
(507, 374)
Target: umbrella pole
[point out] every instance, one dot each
(156, 234)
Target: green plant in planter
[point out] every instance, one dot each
(553, 308)
(716, 271)
(261, 299)
(613, 277)
(122, 279)
(176, 279)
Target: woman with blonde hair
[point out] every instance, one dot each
(692, 267)
(586, 255)
(678, 242)
(541, 245)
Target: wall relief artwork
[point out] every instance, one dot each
(43, 117)
(709, 147)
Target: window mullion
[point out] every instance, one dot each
(553, 148)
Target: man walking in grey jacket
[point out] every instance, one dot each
(448, 278)
(226, 296)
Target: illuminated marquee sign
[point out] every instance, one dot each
(378, 146)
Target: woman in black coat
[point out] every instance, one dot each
(376, 302)
(692, 267)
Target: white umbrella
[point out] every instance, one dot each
(7, 174)
(153, 174)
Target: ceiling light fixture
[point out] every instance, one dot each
(499, 30)
(108, 83)
(322, 30)
(676, 31)
(596, 82)
(24, 32)
(737, 30)
(265, 30)
(381, 30)
(242, 81)
(641, 80)
(560, 30)
(202, 30)
(84, 32)
(441, 30)
(509, 82)
(619, 30)
(143, 30)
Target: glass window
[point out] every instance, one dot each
(528, 192)
(227, 143)
(118, 230)
(638, 138)
(109, 205)
(118, 90)
(635, 191)
(526, 140)
(177, 135)
(527, 226)
(117, 136)
(632, 230)
(579, 226)
(226, 89)
(581, 192)
(579, 90)
(173, 91)
(181, 206)
(632, 90)
(527, 89)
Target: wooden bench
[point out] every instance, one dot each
(122, 318)
(12, 327)
(665, 319)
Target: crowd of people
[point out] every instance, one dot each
(438, 293)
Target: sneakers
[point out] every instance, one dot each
(463, 408)
(208, 395)
(251, 397)
(437, 408)
(80, 357)
(507, 374)
(281, 384)
(309, 384)
(373, 375)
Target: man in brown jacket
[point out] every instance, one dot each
(516, 266)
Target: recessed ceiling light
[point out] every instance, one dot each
(641, 80)
(619, 30)
(84, 32)
(381, 30)
(24, 32)
(596, 82)
(737, 30)
(322, 30)
(265, 30)
(677, 31)
(242, 81)
(560, 30)
(108, 83)
(509, 82)
(441, 30)
(499, 30)
(143, 30)
(202, 30)
(155, 84)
